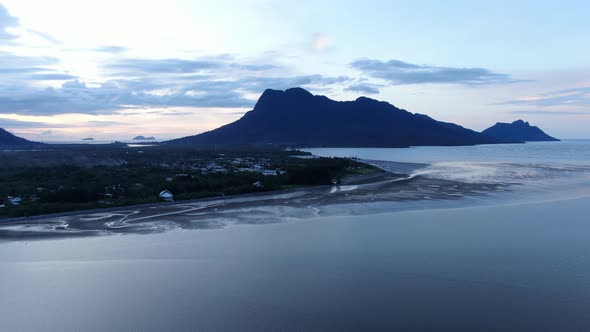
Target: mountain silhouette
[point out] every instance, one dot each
(10, 140)
(518, 130)
(296, 117)
(143, 138)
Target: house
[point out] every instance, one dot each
(166, 196)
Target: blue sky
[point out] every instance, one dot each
(116, 69)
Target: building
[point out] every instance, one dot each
(167, 196)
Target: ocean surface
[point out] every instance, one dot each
(519, 262)
(564, 152)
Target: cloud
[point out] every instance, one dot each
(15, 69)
(366, 88)
(77, 97)
(221, 81)
(259, 84)
(150, 66)
(6, 21)
(14, 123)
(11, 123)
(554, 112)
(50, 77)
(188, 67)
(44, 36)
(399, 72)
(111, 49)
(566, 97)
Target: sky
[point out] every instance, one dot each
(112, 70)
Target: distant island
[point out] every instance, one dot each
(518, 130)
(88, 139)
(298, 118)
(142, 138)
(10, 140)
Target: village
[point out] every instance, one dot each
(58, 181)
(194, 168)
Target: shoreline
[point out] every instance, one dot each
(358, 177)
(398, 187)
(357, 195)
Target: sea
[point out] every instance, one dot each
(517, 264)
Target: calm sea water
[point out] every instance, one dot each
(564, 152)
(507, 267)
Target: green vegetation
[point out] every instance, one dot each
(58, 179)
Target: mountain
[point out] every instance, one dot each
(8, 139)
(296, 117)
(88, 139)
(519, 131)
(142, 138)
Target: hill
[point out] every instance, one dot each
(10, 140)
(519, 131)
(142, 138)
(296, 117)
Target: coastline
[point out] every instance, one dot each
(356, 195)
(349, 179)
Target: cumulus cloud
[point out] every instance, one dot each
(399, 72)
